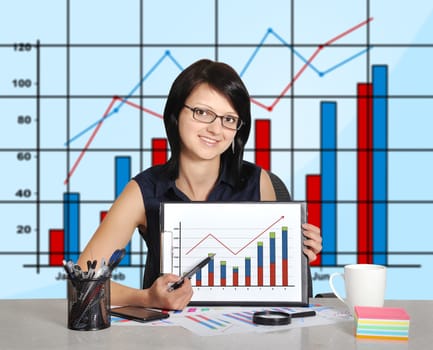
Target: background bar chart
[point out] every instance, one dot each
(341, 105)
(67, 245)
(321, 190)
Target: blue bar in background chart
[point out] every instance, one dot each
(380, 164)
(71, 224)
(122, 177)
(123, 173)
(328, 153)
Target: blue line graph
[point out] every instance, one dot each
(169, 55)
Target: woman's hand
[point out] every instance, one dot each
(177, 299)
(313, 243)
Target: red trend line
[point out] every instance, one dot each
(210, 235)
(304, 67)
(95, 131)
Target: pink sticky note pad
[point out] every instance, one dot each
(382, 313)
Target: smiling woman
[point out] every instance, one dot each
(207, 119)
(206, 140)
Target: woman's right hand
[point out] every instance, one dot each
(160, 297)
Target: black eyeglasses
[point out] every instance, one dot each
(206, 116)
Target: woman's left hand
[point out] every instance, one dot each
(313, 243)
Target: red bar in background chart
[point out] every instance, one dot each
(263, 143)
(314, 197)
(365, 173)
(57, 247)
(159, 151)
(102, 215)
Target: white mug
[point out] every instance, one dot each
(365, 285)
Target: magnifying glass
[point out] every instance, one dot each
(278, 318)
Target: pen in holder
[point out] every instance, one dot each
(89, 303)
(89, 293)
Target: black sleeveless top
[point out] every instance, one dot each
(157, 187)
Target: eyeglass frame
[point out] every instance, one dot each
(194, 111)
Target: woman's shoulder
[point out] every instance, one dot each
(152, 176)
(249, 169)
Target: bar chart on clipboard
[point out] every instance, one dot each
(257, 247)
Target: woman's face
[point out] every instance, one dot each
(200, 140)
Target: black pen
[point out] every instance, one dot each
(190, 273)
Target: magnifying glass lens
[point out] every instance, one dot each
(272, 318)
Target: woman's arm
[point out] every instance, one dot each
(267, 192)
(115, 231)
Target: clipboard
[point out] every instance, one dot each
(258, 249)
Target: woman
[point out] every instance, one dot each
(207, 119)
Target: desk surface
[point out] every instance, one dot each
(41, 324)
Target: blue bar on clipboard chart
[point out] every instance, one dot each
(248, 271)
(260, 263)
(223, 273)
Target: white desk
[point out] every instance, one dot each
(41, 324)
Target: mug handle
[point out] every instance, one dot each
(331, 284)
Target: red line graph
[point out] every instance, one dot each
(212, 236)
(256, 102)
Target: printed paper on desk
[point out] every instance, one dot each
(258, 251)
